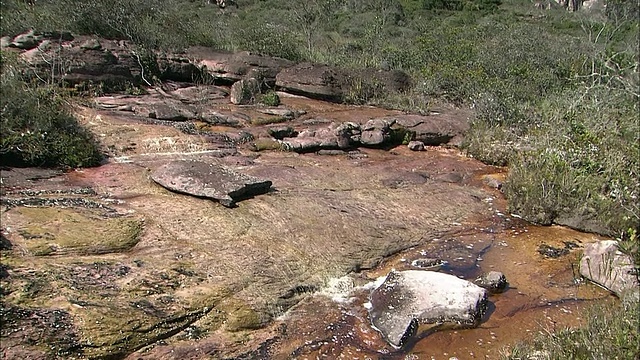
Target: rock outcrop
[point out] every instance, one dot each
(231, 67)
(245, 92)
(604, 264)
(408, 299)
(76, 64)
(331, 83)
(376, 133)
(208, 180)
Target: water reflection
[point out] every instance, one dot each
(543, 296)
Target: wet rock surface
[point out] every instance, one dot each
(408, 299)
(494, 281)
(157, 270)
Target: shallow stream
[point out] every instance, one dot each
(545, 294)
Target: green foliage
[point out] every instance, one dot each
(37, 129)
(360, 91)
(609, 334)
(458, 5)
(265, 38)
(149, 24)
(270, 98)
(629, 243)
(584, 160)
(566, 124)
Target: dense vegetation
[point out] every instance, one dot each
(605, 336)
(37, 127)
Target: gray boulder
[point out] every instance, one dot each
(171, 112)
(334, 137)
(408, 299)
(434, 130)
(427, 263)
(308, 141)
(213, 117)
(494, 281)
(312, 80)
(416, 146)
(281, 132)
(604, 264)
(282, 112)
(245, 92)
(199, 94)
(376, 132)
(210, 181)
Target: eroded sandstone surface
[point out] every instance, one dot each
(127, 264)
(106, 263)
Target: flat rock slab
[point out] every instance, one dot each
(210, 181)
(410, 298)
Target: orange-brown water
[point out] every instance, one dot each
(544, 295)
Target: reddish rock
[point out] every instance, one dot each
(208, 180)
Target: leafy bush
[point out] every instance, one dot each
(567, 127)
(585, 161)
(270, 98)
(37, 129)
(265, 38)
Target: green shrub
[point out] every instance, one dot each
(264, 37)
(37, 129)
(585, 160)
(361, 91)
(270, 98)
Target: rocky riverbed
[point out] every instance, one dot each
(106, 263)
(222, 228)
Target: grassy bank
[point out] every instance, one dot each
(607, 335)
(37, 127)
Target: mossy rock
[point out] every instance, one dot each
(49, 230)
(240, 316)
(131, 323)
(269, 120)
(262, 144)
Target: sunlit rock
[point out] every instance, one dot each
(494, 281)
(416, 146)
(408, 299)
(604, 264)
(212, 181)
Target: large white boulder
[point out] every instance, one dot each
(407, 299)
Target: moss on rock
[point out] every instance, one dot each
(55, 231)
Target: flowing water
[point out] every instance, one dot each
(544, 295)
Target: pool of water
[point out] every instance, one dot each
(544, 295)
